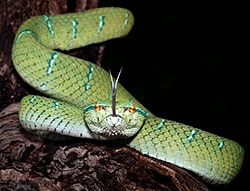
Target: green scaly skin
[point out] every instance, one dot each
(74, 85)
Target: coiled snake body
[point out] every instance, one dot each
(85, 101)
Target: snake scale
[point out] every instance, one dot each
(83, 100)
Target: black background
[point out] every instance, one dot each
(184, 61)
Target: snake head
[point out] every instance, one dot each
(124, 123)
(113, 119)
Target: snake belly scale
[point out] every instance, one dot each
(83, 100)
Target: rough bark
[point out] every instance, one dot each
(28, 162)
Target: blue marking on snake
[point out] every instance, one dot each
(101, 23)
(221, 145)
(163, 121)
(75, 23)
(89, 107)
(139, 110)
(191, 137)
(48, 22)
(51, 62)
(27, 31)
(126, 19)
(32, 99)
(89, 76)
(55, 103)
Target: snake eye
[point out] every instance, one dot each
(130, 109)
(98, 107)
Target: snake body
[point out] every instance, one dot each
(82, 99)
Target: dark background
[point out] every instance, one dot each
(184, 61)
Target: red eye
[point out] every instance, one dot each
(98, 107)
(131, 109)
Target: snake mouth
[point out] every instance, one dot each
(112, 134)
(113, 126)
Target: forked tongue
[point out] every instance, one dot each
(114, 89)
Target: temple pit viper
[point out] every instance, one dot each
(84, 100)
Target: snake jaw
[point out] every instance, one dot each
(115, 126)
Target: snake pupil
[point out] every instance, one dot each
(98, 107)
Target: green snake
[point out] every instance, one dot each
(83, 100)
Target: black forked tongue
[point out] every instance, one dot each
(114, 89)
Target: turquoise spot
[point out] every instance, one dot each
(89, 76)
(101, 23)
(221, 144)
(191, 137)
(75, 23)
(51, 62)
(86, 86)
(126, 19)
(32, 99)
(55, 104)
(48, 22)
(26, 31)
(163, 121)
